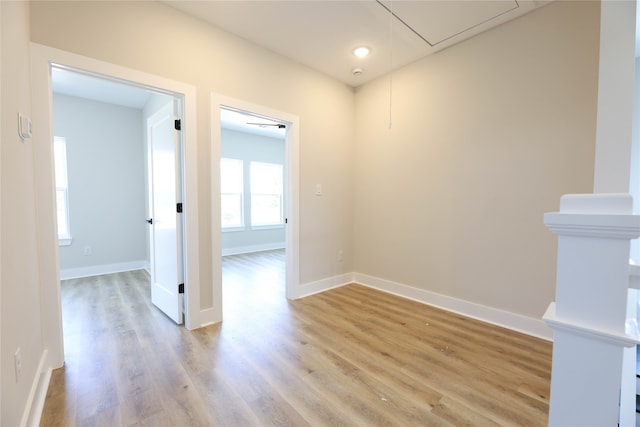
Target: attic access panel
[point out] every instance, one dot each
(439, 20)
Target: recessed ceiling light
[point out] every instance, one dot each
(361, 52)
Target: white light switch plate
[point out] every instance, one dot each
(24, 126)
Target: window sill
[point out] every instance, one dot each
(64, 242)
(268, 227)
(232, 229)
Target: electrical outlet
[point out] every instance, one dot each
(87, 250)
(17, 358)
(340, 255)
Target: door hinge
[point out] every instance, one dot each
(177, 124)
(179, 207)
(181, 288)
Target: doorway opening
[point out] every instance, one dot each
(43, 60)
(255, 215)
(118, 161)
(252, 202)
(105, 124)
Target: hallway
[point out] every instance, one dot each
(350, 356)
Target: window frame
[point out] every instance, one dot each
(240, 195)
(62, 187)
(280, 195)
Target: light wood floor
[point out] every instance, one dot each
(348, 357)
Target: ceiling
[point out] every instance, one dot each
(322, 34)
(86, 86)
(73, 83)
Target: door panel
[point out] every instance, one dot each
(165, 240)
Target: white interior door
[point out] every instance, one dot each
(165, 221)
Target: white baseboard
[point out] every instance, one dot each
(37, 395)
(96, 270)
(308, 289)
(253, 248)
(527, 325)
(208, 317)
(516, 322)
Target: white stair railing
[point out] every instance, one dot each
(589, 314)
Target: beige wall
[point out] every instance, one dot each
(486, 137)
(21, 303)
(157, 39)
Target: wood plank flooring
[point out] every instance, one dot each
(348, 357)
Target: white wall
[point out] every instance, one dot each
(634, 167)
(2, 138)
(615, 96)
(21, 300)
(248, 147)
(486, 137)
(106, 175)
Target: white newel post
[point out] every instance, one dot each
(589, 315)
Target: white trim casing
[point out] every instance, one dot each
(323, 285)
(253, 248)
(527, 325)
(42, 59)
(516, 322)
(37, 394)
(291, 209)
(208, 317)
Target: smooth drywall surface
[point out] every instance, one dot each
(249, 147)
(634, 167)
(21, 302)
(106, 166)
(2, 138)
(154, 38)
(615, 96)
(486, 136)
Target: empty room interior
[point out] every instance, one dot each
(252, 225)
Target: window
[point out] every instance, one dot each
(266, 194)
(231, 184)
(62, 199)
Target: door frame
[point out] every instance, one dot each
(291, 203)
(42, 57)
